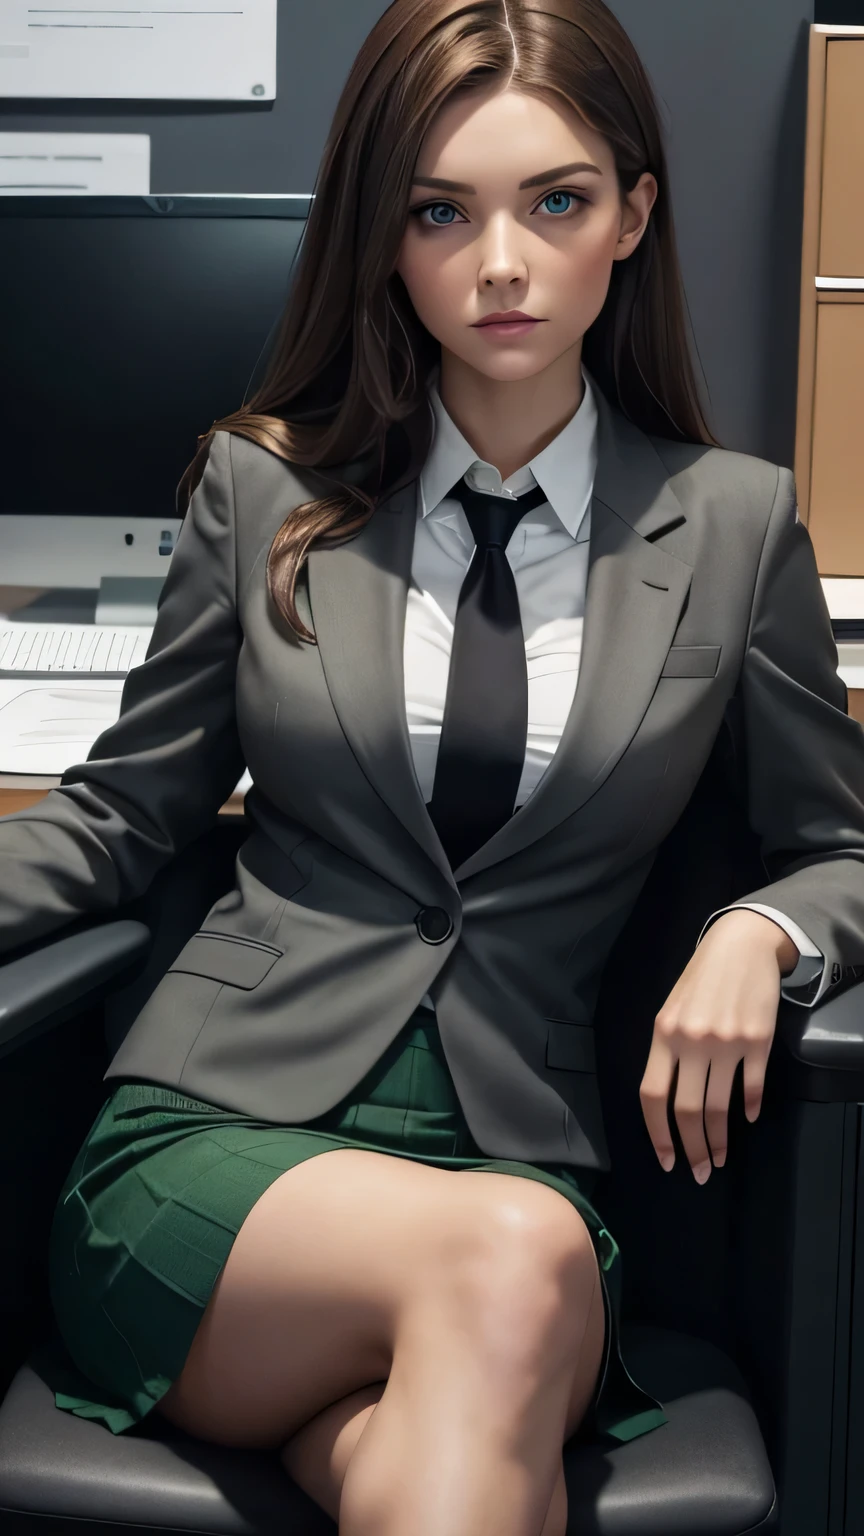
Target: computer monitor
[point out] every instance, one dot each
(129, 325)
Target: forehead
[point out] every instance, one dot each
(503, 132)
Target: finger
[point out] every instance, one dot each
(755, 1067)
(690, 1107)
(721, 1075)
(654, 1098)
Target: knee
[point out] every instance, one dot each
(524, 1273)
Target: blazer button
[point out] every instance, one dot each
(434, 925)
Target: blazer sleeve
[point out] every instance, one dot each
(804, 755)
(157, 777)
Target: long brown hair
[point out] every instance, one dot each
(344, 392)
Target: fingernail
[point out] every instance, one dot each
(667, 1161)
(701, 1172)
(719, 1159)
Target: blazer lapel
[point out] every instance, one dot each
(634, 598)
(358, 596)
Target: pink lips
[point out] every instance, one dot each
(512, 323)
(506, 317)
(508, 327)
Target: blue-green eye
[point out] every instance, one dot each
(442, 214)
(435, 208)
(567, 198)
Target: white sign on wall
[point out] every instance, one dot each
(199, 50)
(58, 164)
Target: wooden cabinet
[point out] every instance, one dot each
(841, 235)
(836, 521)
(829, 444)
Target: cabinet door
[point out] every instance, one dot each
(841, 244)
(836, 518)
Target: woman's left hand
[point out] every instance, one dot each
(722, 1008)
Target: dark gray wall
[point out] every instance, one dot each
(840, 13)
(731, 78)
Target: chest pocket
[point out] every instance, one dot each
(692, 661)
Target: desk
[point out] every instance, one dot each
(18, 791)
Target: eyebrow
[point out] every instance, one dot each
(532, 181)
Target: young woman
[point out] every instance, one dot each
(445, 837)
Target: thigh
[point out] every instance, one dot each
(556, 1231)
(589, 1363)
(318, 1454)
(307, 1305)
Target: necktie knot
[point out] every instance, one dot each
(493, 519)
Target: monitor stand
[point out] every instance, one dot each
(128, 599)
(59, 605)
(117, 600)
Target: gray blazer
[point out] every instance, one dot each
(701, 582)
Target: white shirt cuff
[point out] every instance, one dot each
(810, 969)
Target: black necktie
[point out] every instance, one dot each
(484, 730)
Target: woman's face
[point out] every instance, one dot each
(515, 206)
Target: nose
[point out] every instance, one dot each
(502, 262)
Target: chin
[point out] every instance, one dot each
(512, 369)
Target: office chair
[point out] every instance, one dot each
(737, 1294)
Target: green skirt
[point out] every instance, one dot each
(162, 1184)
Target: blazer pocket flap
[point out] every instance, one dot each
(570, 1046)
(224, 957)
(692, 661)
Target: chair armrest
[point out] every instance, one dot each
(824, 1046)
(46, 986)
(829, 1035)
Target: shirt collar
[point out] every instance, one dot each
(565, 468)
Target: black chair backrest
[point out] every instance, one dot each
(677, 1238)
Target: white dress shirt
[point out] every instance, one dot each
(548, 555)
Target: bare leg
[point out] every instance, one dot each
(470, 1300)
(464, 1441)
(345, 1457)
(318, 1456)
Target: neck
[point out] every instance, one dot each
(508, 422)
